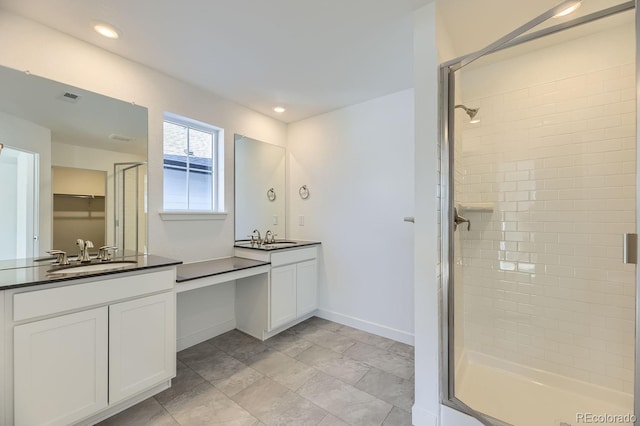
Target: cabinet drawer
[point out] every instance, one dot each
(39, 303)
(293, 256)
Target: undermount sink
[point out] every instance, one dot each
(92, 267)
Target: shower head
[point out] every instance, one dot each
(471, 112)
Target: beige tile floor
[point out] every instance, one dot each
(316, 373)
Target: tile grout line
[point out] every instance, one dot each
(170, 415)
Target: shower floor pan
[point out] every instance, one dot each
(524, 396)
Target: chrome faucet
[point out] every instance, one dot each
(84, 246)
(257, 240)
(269, 237)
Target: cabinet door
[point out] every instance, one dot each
(60, 368)
(307, 290)
(142, 344)
(282, 296)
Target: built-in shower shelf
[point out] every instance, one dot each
(476, 207)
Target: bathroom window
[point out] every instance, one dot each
(192, 180)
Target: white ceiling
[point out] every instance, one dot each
(308, 56)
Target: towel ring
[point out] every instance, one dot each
(304, 192)
(271, 194)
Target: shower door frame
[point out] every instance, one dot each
(446, 100)
(120, 227)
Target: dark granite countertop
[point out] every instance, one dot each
(39, 272)
(279, 245)
(208, 268)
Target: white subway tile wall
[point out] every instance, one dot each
(544, 282)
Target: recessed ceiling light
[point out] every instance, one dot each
(279, 109)
(568, 10)
(106, 30)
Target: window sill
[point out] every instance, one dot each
(192, 215)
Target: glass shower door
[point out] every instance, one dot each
(542, 186)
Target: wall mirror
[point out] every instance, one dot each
(260, 201)
(72, 165)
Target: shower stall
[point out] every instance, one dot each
(539, 188)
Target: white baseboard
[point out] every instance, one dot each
(370, 327)
(423, 417)
(192, 339)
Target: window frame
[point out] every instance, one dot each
(217, 175)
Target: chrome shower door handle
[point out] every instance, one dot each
(630, 249)
(457, 220)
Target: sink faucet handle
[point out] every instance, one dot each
(259, 238)
(61, 256)
(104, 252)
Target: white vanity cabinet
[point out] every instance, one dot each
(294, 292)
(288, 295)
(306, 287)
(85, 349)
(60, 368)
(283, 296)
(141, 344)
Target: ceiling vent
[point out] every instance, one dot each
(121, 138)
(69, 97)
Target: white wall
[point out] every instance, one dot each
(426, 410)
(22, 134)
(54, 55)
(431, 47)
(357, 164)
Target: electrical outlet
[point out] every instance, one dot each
(301, 220)
(275, 220)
